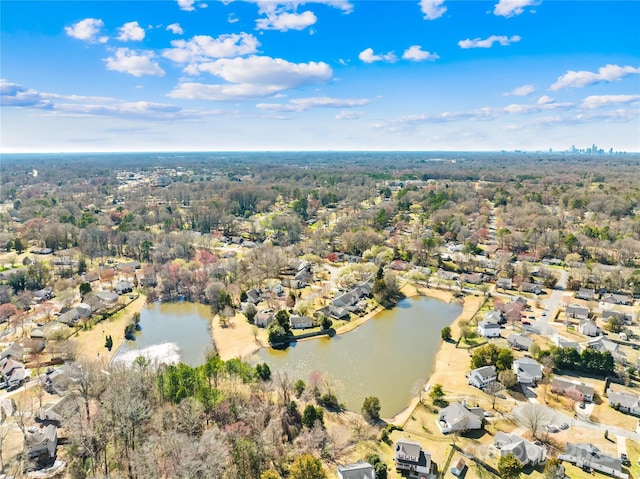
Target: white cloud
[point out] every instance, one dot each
(283, 21)
(302, 104)
(488, 42)
(203, 47)
(368, 56)
(523, 90)
(545, 100)
(606, 74)
(13, 94)
(131, 31)
(600, 101)
(349, 115)
(175, 28)
(432, 9)
(87, 30)
(251, 78)
(231, 18)
(511, 8)
(16, 95)
(417, 54)
(134, 63)
(186, 5)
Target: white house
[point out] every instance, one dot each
(359, 470)
(563, 342)
(459, 417)
(488, 329)
(300, 322)
(526, 452)
(412, 460)
(589, 328)
(624, 401)
(39, 440)
(264, 318)
(577, 311)
(483, 376)
(528, 370)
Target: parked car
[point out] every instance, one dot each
(582, 405)
(564, 426)
(625, 459)
(544, 314)
(526, 323)
(553, 428)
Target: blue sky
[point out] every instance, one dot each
(325, 75)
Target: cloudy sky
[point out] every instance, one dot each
(322, 75)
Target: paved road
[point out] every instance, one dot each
(552, 304)
(549, 415)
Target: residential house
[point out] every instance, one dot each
(519, 342)
(292, 283)
(335, 312)
(91, 277)
(586, 293)
(300, 322)
(14, 351)
(148, 280)
(13, 372)
(588, 327)
(528, 453)
(32, 346)
(531, 288)
(43, 294)
(614, 298)
(587, 456)
(359, 470)
(264, 318)
(483, 376)
(457, 417)
(626, 318)
(412, 460)
(488, 330)
(602, 344)
(446, 275)
(123, 287)
(494, 316)
(41, 440)
(572, 389)
(563, 342)
(504, 283)
(624, 401)
(106, 296)
(305, 276)
(69, 317)
(575, 311)
(513, 309)
(528, 371)
(471, 278)
(254, 296)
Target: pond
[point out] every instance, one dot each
(390, 356)
(171, 332)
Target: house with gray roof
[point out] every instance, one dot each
(531, 288)
(528, 453)
(359, 470)
(41, 440)
(586, 293)
(614, 298)
(458, 417)
(589, 456)
(602, 344)
(588, 327)
(626, 318)
(572, 389)
(264, 318)
(411, 460)
(528, 371)
(576, 311)
(563, 342)
(482, 377)
(488, 330)
(504, 283)
(494, 316)
(624, 401)
(300, 322)
(519, 342)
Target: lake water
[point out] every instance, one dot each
(390, 356)
(171, 332)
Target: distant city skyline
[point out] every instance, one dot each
(252, 75)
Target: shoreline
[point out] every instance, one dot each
(441, 368)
